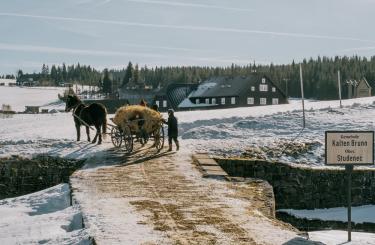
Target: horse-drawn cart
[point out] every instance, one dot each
(137, 123)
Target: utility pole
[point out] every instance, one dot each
(302, 95)
(339, 84)
(286, 86)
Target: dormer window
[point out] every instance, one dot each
(263, 80)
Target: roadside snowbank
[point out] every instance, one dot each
(360, 214)
(42, 217)
(334, 237)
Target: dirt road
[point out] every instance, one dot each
(162, 198)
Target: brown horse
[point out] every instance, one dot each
(94, 114)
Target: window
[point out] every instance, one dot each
(253, 88)
(263, 87)
(223, 101)
(157, 103)
(263, 80)
(164, 103)
(275, 101)
(233, 100)
(263, 101)
(273, 89)
(207, 101)
(213, 100)
(196, 101)
(250, 101)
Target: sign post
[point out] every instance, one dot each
(349, 169)
(349, 148)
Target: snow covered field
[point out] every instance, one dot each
(225, 131)
(18, 97)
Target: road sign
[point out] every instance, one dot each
(349, 148)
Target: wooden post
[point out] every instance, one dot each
(339, 84)
(349, 169)
(302, 95)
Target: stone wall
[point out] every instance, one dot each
(20, 176)
(297, 187)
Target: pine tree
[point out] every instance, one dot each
(64, 73)
(128, 74)
(107, 82)
(136, 76)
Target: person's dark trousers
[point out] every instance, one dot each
(174, 138)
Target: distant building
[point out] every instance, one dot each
(6, 109)
(133, 93)
(239, 91)
(358, 88)
(27, 81)
(32, 109)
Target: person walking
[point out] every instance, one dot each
(172, 130)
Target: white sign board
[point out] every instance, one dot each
(349, 147)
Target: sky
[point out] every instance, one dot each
(110, 33)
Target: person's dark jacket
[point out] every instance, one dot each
(172, 126)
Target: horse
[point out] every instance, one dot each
(94, 114)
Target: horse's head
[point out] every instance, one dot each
(71, 102)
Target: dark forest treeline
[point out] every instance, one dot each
(320, 75)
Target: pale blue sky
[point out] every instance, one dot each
(109, 33)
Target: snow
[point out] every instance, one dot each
(334, 237)
(42, 217)
(19, 97)
(232, 131)
(360, 214)
(201, 89)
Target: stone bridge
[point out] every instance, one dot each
(162, 198)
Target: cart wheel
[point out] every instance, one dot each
(128, 139)
(159, 138)
(116, 137)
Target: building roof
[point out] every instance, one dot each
(226, 86)
(176, 92)
(365, 81)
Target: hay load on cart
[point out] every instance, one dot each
(137, 122)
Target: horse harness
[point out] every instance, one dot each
(76, 116)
